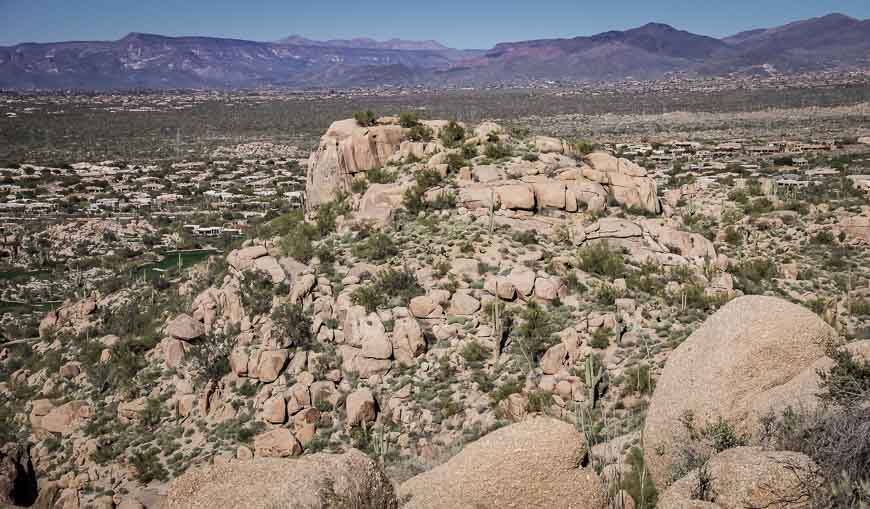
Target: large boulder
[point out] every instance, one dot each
(361, 407)
(278, 443)
(184, 328)
(66, 418)
(748, 477)
(321, 480)
(547, 144)
(347, 149)
(540, 462)
(380, 202)
(733, 368)
(408, 341)
(628, 182)
(516, 196)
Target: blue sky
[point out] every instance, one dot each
(457, 23)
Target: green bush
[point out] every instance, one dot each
(497, 151)
(453, 134)
(209, 357)
(847, 383)
(420, 133)
(390, 287)
(148, 466)
(535, 331)
(365, 118)
(256, 292)
(376, 248)
(638, 481)
(584, 147)
(474, 353)
(600, 338)
(824, 238)
(381, 176)
(525, 237)
(455, 162)
(359, 185)
(294, 325)
(638, 380)
(413, 199)
(408, 119)
(599, 259)
(733, 236)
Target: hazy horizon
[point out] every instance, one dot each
(455, 24)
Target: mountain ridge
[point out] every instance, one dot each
(651, 51)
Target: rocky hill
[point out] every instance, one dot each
(466, 316)
(648, 52)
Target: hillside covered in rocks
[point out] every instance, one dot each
(469, 316)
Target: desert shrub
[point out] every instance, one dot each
(474, 353)
(837, 442)
(299, 242)
(127, 360)
(525, 237)
(638, 379)
(606, 295)
(847, 383)
(455, 162)
(702, 442)
(408, 119)
(534, 333)
(209, 357)
(824, 238)
(540, 401)
(365, 118)
(497, 151)
(381, 176)
(443, 201)
(377, 247)
(584, 147)
(738, 196)
(468, 152)
(600, 338)
(148, 466)
(328, 213)
(420, 132)
(638, 482)
(751, 274)
(599, 259)
(453, 134)
(256, 292)
(860, 307)
(733, 236)
(390, 287)
(722, 436)
(413, 199)
(294, 325)
(757, 206)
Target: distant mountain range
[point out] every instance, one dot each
(652, 51)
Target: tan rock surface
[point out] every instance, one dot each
(535, 463)
(730, 368)
(311, 482)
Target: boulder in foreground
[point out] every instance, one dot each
(351, 479)
(540, 462)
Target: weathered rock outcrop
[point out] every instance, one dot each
(627, 181)
(321, 480)
(748, 477)
(648, 240)
(540, 462)
(732, 368)
(347, 149)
